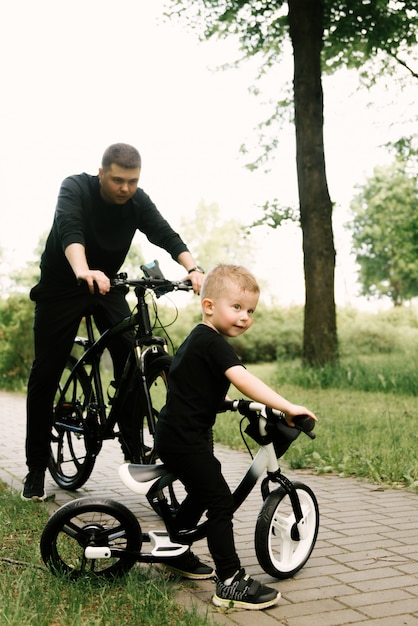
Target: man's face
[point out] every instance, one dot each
(117, 184)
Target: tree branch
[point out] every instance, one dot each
(404, 64)
(14, 562)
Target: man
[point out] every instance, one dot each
(95, 220)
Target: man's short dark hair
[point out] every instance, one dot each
(121, 154)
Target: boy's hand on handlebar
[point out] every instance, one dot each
(95, 277)
(295, 410)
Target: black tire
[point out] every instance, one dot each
(279, 552)
(157, 384)
(71, 460)
(90, 522)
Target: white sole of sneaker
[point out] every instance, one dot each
(236, 604)
(33, 498)
(188, 575)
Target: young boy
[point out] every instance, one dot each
(202, 370)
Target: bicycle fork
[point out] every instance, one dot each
(299, 529)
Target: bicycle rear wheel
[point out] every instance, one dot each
(71, 459)
(95, 523)
(281, 550)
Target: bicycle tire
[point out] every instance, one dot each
(278, 550)
(156, 375)
(157, 370)
(90, 522)
(71, 460)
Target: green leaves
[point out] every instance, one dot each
(385, 233)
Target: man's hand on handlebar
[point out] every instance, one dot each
(196, 278)
(95, 277)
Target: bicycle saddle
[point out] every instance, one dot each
(140, 478)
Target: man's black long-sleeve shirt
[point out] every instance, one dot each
(105, 230)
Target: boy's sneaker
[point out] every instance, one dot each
(245, 593)
(33, 486)
(189, 566)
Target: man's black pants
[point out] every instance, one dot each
(56, 324)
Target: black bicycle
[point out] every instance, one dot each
(83, 415)
(101, 537)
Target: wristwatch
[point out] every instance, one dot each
(196, 268)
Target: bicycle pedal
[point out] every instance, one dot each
(163, 547)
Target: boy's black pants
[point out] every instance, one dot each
(207, 490)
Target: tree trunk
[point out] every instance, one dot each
(320, 343)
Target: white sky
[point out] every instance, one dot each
(79, 76)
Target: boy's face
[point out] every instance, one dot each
(230, 315)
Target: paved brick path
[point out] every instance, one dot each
(364, 568)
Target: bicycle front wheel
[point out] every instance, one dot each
(281, 550)
(71, 461)
(157, 385)
(91, 523)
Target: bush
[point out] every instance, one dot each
(378, 351)
(16, 342)
(369, 333)
(276, 333)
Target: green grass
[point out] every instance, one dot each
(366, 429)
(31, 595)
(370, 435)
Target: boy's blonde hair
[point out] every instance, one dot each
(218, 281)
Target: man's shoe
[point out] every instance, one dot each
(189, 566)
(244, 593)
(33, 486)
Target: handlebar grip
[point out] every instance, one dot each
(184, 285)
(306, 424)
(229, 405)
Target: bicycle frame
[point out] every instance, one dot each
(84, 417)
(150, 481)
(144, 345)
(99, 536)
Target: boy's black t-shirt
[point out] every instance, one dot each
(197, 387)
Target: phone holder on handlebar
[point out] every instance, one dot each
(153, 270)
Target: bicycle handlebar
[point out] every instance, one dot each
(153, 279)
(304, 423)
(154, 284)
